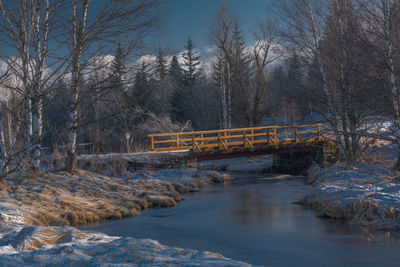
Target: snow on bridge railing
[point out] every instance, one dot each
(241, 137)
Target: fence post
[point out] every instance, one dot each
(319, 132)
(275, 137)
(152, 142)
(219, 140)
(295, 134)
(97, 148)
(193, 146)
(177, 140)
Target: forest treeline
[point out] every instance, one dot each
(74, 77)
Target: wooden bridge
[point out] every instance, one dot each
(300, 145)
(225, 140)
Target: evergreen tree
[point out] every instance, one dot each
(220, 81)
(183, 95)
(294, 73)
(295, 89)
(141, 92)
(241, 58)
(175, 70)
(190, 63)
(239, 79)
(176, 74)
(161, 65)
(118, 68)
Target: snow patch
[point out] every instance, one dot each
(362, 194)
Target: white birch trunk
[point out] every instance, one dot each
(78, 34)
(392, 78)
(40, 62)
(331, 110)
(25, 58)
(27, 102)
(3, 150)
(394, 92)
(223, 97)
(229, 100)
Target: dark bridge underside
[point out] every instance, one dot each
(291, 158)
(258, 151)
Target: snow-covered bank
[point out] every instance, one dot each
(363, 195)
(245, 164)
(62, 246)
(31, 206)
(85, 197)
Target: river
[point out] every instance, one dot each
(253, 219)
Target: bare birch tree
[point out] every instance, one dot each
(26, 26)
(381, 24)
(94, 26)
(265, 51)
(302, 27)
(221, 36)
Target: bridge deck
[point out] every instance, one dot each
(223, 140)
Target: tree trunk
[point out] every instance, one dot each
(40, 54)
(3, 150)
(223, 97)
(71, 164)
(73, 127)
(78, 40)
(397, 166)
(229, 101)
(37, 133)
(392, 78)
(332, 116)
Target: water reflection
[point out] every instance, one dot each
(253, 219)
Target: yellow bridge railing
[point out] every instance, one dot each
(232, 138)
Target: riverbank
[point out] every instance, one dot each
(362, 195)
(34, 212)
(69, 246)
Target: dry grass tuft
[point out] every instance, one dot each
(84, 197)
(33, 238)
(362, 213)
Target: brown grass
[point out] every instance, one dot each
(84, 197)
(33, 238)
(362, 213)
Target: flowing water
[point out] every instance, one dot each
(253, 219)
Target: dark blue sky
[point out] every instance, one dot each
(188, 18)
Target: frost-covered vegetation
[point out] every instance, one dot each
(32, 207)
(60, 246)
(84, 197)
(363, 195)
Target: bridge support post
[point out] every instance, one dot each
(298, 162)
